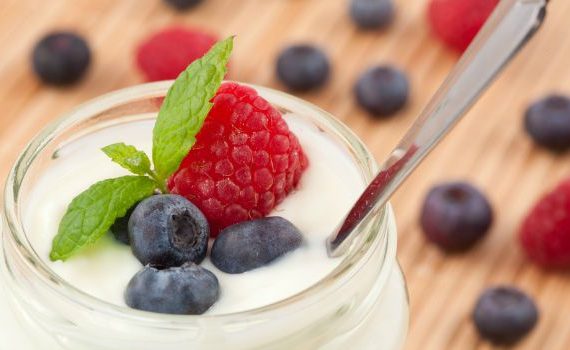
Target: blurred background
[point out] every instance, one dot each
(488, 149)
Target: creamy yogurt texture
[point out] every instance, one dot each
(328, 188)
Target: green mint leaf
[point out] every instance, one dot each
(128, 157)
(92, 212)
(185, 107)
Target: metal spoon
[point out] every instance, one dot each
(508, 29)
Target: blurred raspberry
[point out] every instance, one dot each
(167, 53)
(545, 233)
(457, 22)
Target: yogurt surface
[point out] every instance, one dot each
(328, 188)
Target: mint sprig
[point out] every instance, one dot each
(91, 213)
(135, 161)
(186, 105)
(129, 157)
(184, 110)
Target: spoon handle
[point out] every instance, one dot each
(509, 28)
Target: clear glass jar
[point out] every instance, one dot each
(362, 304)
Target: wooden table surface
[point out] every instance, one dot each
(488, 148)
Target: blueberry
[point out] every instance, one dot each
(168, 230)
(455, 216)
(186, 290)
(382, 90)
(120, 228)
(548, 122)
(182, 5)
(61, 58)
(504, 315)
(303, 67)
(252, 244)
(372, 14)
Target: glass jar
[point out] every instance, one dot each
(362, 304)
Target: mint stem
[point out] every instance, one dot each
(161, 183)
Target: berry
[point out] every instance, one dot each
(168, 230)
(244, 162)
(303, 67)
(372, 14)
(61, 58)
(382, 90)
(548, 122)
(252, 244)
(545, 232)
(455, 216)
(504, 315)
(186, 290)
(120, 228)
(167, 53)
(182, 5)
(457, 22)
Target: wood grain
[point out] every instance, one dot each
(489, 148)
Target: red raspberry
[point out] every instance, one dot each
(244, 162)
(167, 53)
(545, 233)
(457, 22)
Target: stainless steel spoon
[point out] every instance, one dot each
(508, 29)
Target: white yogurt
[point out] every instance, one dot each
(328, 188)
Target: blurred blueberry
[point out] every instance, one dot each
(61, 58)
(303, 67)
(372, 14)
(455, 216)
(182, 5)
(382, 91)
(504, 315)
(547, 121)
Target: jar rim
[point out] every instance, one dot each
(372, 238)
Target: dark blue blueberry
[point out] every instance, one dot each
(183, 4)
(303, 67)
(120, 228)
(504, 315)
(382, 90)
(252, 244)
(548, 122)
(186, 290)
(455, 216)
(168, 230)
(61, 58)
(372, 14)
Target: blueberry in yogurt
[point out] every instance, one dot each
(185, 290)
(252, 244)
(120, 228)
(168, 230)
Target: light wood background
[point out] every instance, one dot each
(489, 148)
